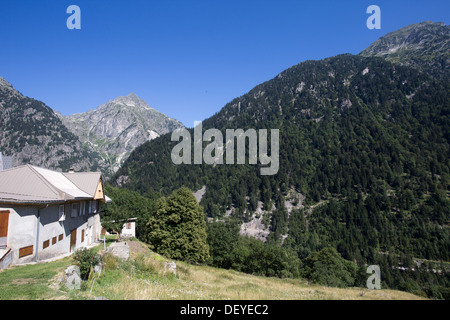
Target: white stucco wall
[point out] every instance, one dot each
(23, 230)
(128, 229)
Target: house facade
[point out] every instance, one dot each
(47, 214)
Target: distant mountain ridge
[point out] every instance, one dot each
(96, 140)
(32, 133)
(117, 127)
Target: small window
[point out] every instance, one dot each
(82, 235)
(46, 244)
(53, 240)
(61, 236)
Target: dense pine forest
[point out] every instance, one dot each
(364, 144)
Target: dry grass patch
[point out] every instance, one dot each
(145, 277)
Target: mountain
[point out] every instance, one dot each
(364, 160)
(421, 45)
(31, 132)
(117, 127)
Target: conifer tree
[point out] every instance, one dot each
(178, 229)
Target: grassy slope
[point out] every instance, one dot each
(144, 277)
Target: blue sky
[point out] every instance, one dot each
(187, 59)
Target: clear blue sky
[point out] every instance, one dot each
(187, 59)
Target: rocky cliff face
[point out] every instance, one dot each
(117, 127)
(423, 46)
(32, 133)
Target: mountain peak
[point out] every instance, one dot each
(415, 36)
(131, 100)
(118, 126)
(421, 45)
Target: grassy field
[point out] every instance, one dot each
(144, 277)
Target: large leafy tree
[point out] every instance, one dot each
(178, 229)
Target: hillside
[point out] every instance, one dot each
(117, 127)
(143, 277)
(31, 132)
(364, 163)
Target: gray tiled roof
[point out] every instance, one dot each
(30, 184)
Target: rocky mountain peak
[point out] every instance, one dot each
(413, 37)
(421, 45)
(131, 100)
(117, 127)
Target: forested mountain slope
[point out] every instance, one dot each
(364, 164)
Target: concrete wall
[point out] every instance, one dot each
(23, 228)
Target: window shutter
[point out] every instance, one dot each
(25, 251)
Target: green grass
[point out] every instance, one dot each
(32, 282)
(144, 277)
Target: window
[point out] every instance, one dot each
(80, 212)
(53, 240)
(74, 210)
(62, 216)
(82, 235)
(45, 244)
(61, 236)
(25, 251)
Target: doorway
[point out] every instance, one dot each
(4, 220)
(73, 239)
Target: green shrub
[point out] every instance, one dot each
(328, 268)
(86, 259)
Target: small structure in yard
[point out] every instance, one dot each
(128, 229)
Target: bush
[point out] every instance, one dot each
(86, 259)
(328, 268)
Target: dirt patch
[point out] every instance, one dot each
(22, 281)
(137, 247)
